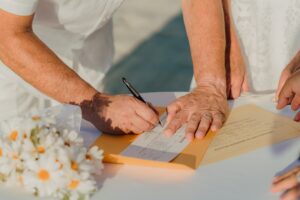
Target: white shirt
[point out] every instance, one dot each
(78, 31)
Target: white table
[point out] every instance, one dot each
(245, 177)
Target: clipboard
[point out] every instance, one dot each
(189, 158)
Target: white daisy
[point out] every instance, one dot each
(80, 186)
(74, 158)
(95, 156)
(11, 159)
(45, 175)
(72, 138)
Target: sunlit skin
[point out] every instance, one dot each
(288, 91)
(210, 37)
(287, 184)
(25, 54)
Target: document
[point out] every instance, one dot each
(249, 128)
(154, 145)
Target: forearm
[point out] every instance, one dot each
(232, 40)
(204, 22)
(32, 60)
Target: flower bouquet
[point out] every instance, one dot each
(44, 154)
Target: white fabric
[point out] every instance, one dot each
(19, 7)
(269, 32)
(78, 31)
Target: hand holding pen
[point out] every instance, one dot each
(137, 95)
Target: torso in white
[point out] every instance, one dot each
(269, 32)
(78, 31)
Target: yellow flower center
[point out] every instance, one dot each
(44, 175)
(15, 156)
(36, 118)
(74, 184)
(13, 135)
(88, 157)
(41, 150)
(1, 152)
(74, 166)
(24, 136)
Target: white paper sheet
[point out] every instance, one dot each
(154, 145)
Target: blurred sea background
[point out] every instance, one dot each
(151, 48)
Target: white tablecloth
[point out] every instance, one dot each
(246, 177)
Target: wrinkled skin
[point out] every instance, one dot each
(119, 114)
(204, 108)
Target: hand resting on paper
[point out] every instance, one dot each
(203, 109)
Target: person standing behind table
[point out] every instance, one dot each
(289, 93)
(63, 48)
(237, 46)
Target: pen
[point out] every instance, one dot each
(135, 93)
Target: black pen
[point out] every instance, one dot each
(135, 93)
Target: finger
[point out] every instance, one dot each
(145, 112)
(172, 109)
(285, 94)
(139, 125)
(246, 84)
(153, 108)
(204, 125)
(295, 102)
(236, 87)
(176, 123)
(287, 174)
(192, 126)
(297, 117)
(218, 120)
(143, 124)
(286, 73)
(285, 184)
(291, 194)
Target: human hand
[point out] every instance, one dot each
(290, 69)
(203, 109)
(119, 114)
(237, 79)
(290, 94)
(288, 183)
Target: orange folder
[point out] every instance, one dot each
(189, 158)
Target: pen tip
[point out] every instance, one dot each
(123, 79)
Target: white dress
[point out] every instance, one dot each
(78, 31)
(269, 31)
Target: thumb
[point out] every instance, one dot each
(285, 75)
(285, 95)
(246, 84)
(236, 86)
(172, 109)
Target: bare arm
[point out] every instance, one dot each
(204, 22)
(206, 106)
(23, 52)
(31, 59)
(236, 75)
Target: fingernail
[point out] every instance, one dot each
(199, 135)
(214, 128)
(168, 133)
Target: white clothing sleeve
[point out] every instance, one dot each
(19, 7)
